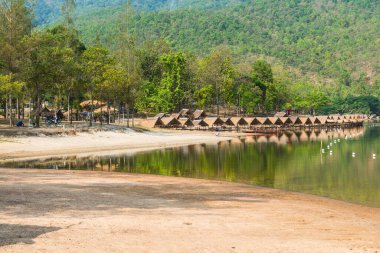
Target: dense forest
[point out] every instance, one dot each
(243, 57)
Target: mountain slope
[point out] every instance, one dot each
(337, 39)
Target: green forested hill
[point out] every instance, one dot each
(337, 40)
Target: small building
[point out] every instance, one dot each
(171, 122)
(238, 121)
(199, 114)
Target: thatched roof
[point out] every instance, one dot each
(88, 103)
(286, 120)
(151, 122)
(322, 120)
(171, 122)
(335, 116)
(228, 121)
(198, 114)
(295, 120)
(200, 122)
(214, 121)
(186, 122)
(281, 114)
(238, 121)
(104, 109)
(275, 120)
(263, 121)
(160, 115)
(305, 120)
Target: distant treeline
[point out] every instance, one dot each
(54, 66)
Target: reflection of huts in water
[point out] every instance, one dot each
(323, 135)
(186, 122)
(273, 138)
(262, 139)
(293, 137)
(200, 124)
(303, 136)
(171, 122)
(312, 136)
(152, 123)
(199, 114)
(214, 122)
(239, 121)
(250, 139)
(283, 139)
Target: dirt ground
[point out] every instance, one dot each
(65, 211)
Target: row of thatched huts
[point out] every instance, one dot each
(254, 122)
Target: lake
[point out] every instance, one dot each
(342, 164)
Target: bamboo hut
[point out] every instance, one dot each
(238, 121)
(184, 113)
(214, 121)
(264, 121)
(152, 123)
(295, 120)
(104, 109)
(199, 123)
(321, 119)
(228, 122)
(171, 122)
(305, 120)
(89, 103)
(199, 114)
(286, 121)
(281, 114)
(186, 122)
(275, 121)
(159, 115)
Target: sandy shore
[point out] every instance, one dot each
(98, 142)
(57, 211)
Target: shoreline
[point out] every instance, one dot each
(80, 211)
(102, 142)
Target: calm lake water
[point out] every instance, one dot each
(339, 164)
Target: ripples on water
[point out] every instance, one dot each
(339, 164)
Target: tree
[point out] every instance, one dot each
(262, 77)
(10, 89)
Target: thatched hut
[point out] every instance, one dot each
(281, 114)
(186, 122)
(263, 121)
(321, 120)
(184, 113)
(199, 114)
(275, 121)
(152, 123)
(214, 121)
(171, 122)
(159, 115)
(286, 121)
(199, 123)
(305, 120)
(227, 122)
(104, 109)
(89, 103)
(295, 120)
(238, 121)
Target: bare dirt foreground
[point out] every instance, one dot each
(62, 211)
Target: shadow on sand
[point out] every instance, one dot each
(14, 233)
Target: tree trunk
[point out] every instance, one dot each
(10, 111)
(18, 108)
(68, 109)
(92, 111)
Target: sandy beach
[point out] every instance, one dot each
(98, 142)
(61, 211)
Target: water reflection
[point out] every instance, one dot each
(316, 162)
